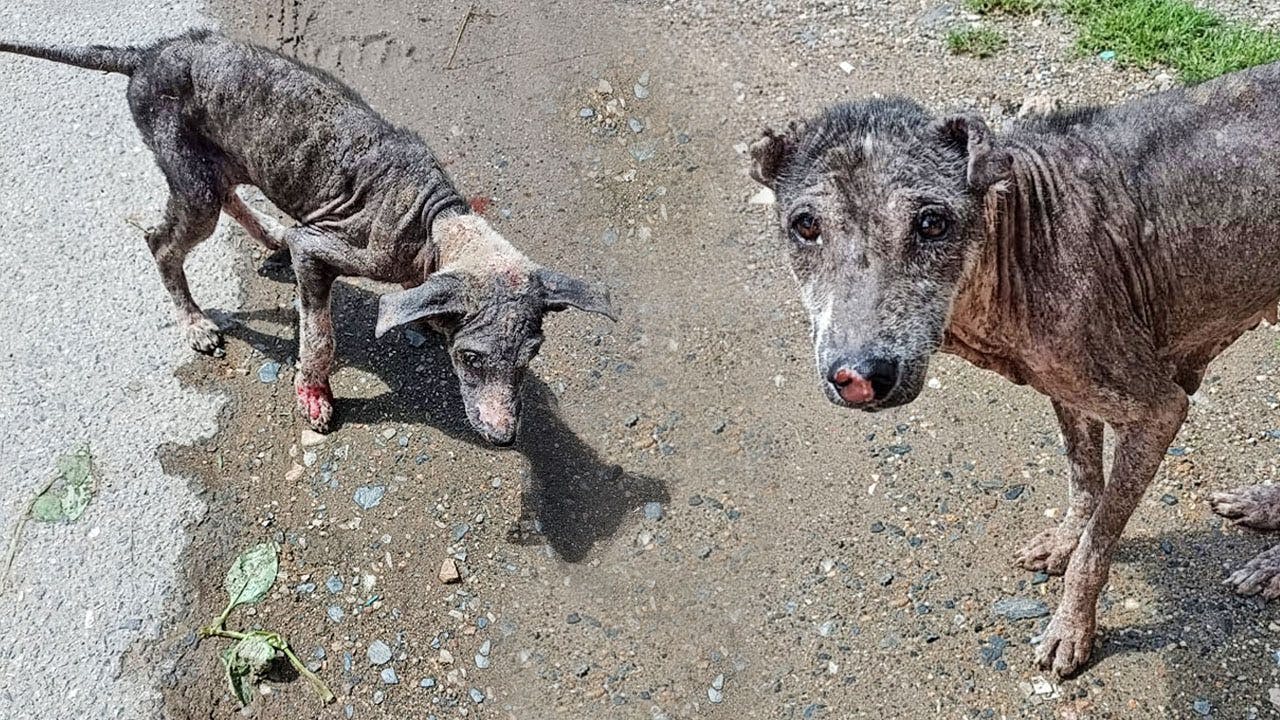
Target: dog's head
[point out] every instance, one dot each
(488, 300)
(879, 203)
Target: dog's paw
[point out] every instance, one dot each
(1256, 507)
(315, 402)
(1050, 551)
(1261, 576)
(203, 336)
(1066, 644)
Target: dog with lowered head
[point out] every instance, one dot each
(369, 200)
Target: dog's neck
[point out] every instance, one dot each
(468, 243)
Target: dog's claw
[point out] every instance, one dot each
(1050, 551)
(315, 402)
(1256, 507)
(1261, 576)
(203, 336)
(1065, 647)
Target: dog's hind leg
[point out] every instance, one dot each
(1261, 576)
(187, 222)
(1256, 507)
(260, 226)
(1050, 551)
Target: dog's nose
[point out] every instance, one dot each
(863, 382)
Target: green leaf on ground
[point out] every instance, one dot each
(69, 494)
(239, 675)
(252, 574)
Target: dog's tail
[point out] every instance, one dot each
(123, 60)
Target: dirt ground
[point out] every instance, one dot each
(685, 529)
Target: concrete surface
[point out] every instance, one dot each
(89, 351)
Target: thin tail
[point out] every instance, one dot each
(123, 60)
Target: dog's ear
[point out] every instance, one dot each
(561, 292)
(771, 152)
(441, 294)
(987, 164)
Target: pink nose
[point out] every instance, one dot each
(853, 387)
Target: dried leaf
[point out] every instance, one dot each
(70, 492)
(252, 574)
(240, 677)
(256, 650)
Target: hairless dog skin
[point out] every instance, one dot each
(1103, 256)
(369, 199)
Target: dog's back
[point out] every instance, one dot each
(294, 131)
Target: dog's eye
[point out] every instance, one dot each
(471, 359)
(932, 225)
(807, 227)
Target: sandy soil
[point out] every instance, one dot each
(686, 528)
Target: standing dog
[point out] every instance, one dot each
(1103, 256)
(369, 199)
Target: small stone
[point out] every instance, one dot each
(414, 338)
(586, 113)
(643, 152)
(485, 647)
(640, 91)
(335, 613)
(460, 531)
(446, 657)
(1168, 499)
(427, 682)
(1107, 55)
(877, 527)
(653, 511)
(1274, 696)
(1020, 608)
(333, 584)
(482, 662)
(477, 696)
(573, 619)
(378, 697)
(1202, 707)
(846, 67)
(449, 572)
(934, 383)
(604, 87)
(379, 653)
(269, 372)
(763, 196)
(311, 438)
(1014, 492)
(389, 676)
(636, 125)
(368, 496)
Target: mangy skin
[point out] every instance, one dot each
(369, 199)
(1102, 256)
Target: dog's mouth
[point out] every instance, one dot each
(905, 390)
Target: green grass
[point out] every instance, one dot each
(1198, 43)
(978, 42)
(1006, 7)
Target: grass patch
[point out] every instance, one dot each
(1198, 43)
(1006, 7)
(978, 42)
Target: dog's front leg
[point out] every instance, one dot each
(1140, 446)
(1051, 550)
(315, 339)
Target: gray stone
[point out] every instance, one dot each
(1020, 608)
(379, 653)
(477, 696)
(335, 613)
(653, 511)
(269, 372)
(368, 496)
(389, 676)
(333, 584)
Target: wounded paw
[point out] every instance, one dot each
(1066, 644)
(203, 336)
(1260, 577)
(1050, 551)
(1256, 507)
(315, 402)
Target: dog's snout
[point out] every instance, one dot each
(859, 383)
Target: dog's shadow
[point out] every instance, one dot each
(570, 497)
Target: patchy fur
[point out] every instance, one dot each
(1104, 256)
(369, 199)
